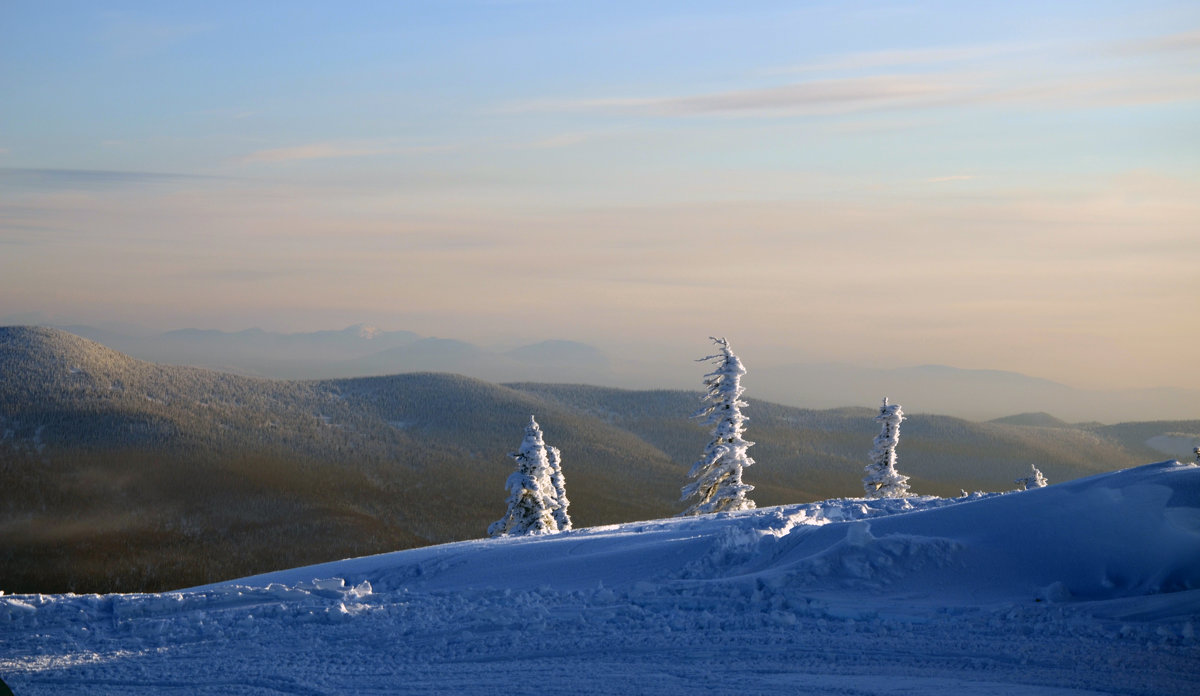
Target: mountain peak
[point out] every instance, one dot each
(41, 345)
(367, 331)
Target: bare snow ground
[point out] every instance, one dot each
(1087, 587)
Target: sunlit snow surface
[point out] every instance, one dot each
(1086, 587)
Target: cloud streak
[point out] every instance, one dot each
(335, 150)
(1002, 74)
(87, 179)
(313, 151)
(902, 92)
(817, 96)
(814, 96)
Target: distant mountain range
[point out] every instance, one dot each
(356, 351)
(975, 394)
(362, 350)
(120, 474)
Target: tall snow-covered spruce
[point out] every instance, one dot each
(717, 477)
(882, 480)
(533, 504)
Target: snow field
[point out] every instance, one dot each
(1086, 587)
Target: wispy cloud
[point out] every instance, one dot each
(336, 150)
(312, 151)
(814, 96)
(1052, 76)
(82, 179)
(354, 149)
(817, 96)
(904, 92)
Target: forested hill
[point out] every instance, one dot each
(126, 475)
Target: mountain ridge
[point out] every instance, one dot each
(977, 394)
(112, 462)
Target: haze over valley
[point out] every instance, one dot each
(363, 350)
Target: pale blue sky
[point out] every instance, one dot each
(1012, 186)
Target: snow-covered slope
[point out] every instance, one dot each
(1091, 586)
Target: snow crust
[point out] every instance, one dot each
(1085, 587)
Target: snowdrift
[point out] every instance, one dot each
(1120, 534)
(1088, 585)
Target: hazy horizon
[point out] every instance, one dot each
(971, 393)
(1007, 188)
(689, 354)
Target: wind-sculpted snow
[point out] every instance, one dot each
(1087, 587)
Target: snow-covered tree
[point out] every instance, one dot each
(560, 489)
(532, 501)
(1033, 480)
(882, 480)
(717, 476)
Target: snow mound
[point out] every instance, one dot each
(1119, 534)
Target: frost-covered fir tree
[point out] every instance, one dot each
(532, 501)
(882, 480)
(717, 477)
(560, 489)
(1033, 480)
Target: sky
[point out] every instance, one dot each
(1008, 186)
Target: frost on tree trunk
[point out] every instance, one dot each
(717, 477)
(1033, 480)
(532, 502)
(882, 480)
(560, 489)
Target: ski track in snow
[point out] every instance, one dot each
(1086, 587)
